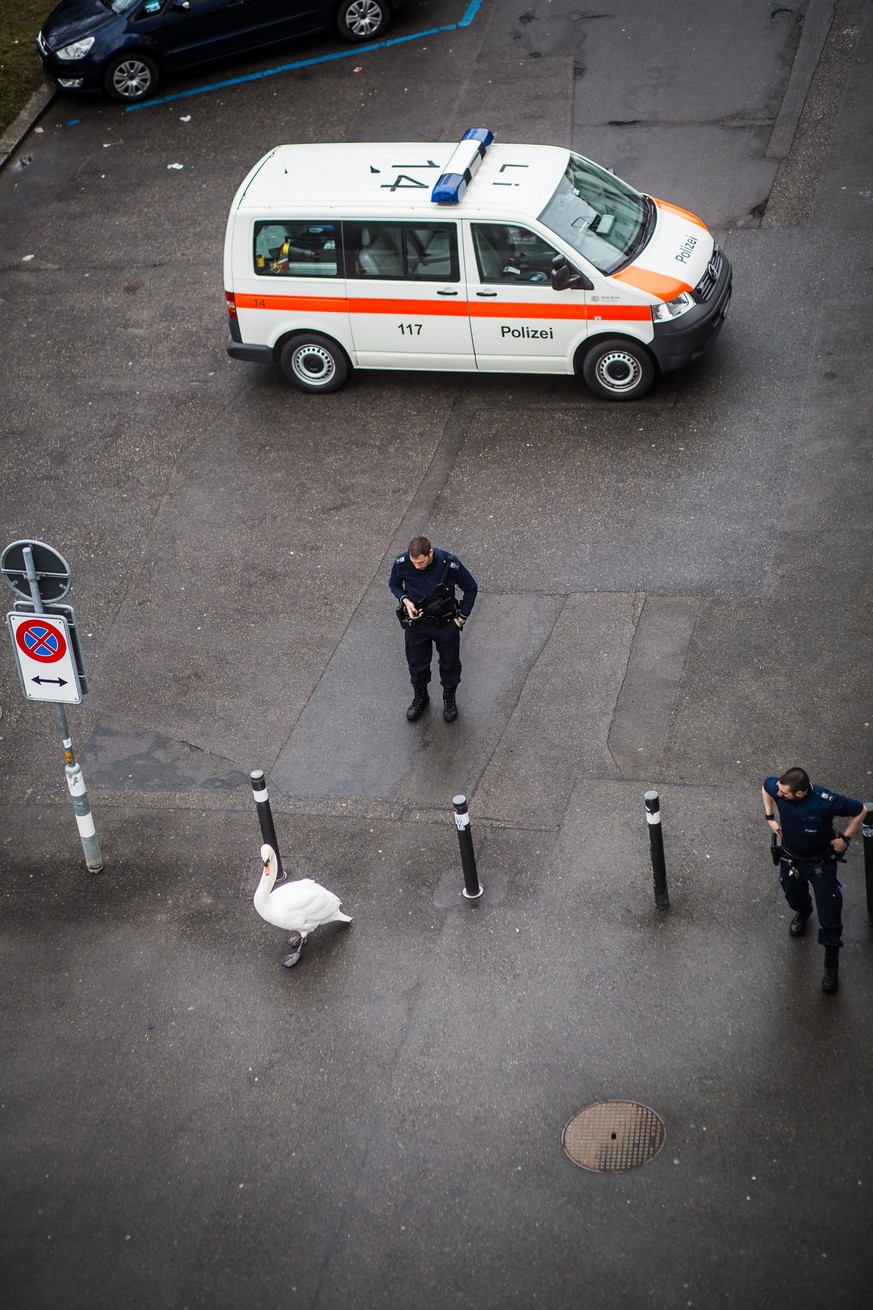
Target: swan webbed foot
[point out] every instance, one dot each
(295, 946)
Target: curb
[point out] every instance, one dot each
(15, 133)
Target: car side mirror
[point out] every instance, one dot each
(564, 277)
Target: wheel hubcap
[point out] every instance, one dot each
(131, 79)
(619, 371)
(313, 364)
(364, 17)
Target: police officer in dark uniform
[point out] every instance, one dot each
(424, 580)
(802, 817)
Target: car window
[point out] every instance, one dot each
(507, 253)
(146, 10)
(288, 249)
(426, 252)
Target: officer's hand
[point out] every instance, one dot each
(410, 609)
(459, 621)
(844, 845)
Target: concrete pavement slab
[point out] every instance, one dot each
(353, 738)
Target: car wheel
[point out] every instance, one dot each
(312, 362)
(618, 369)
(131, 77)
(363, 20)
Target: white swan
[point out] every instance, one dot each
(297, 907)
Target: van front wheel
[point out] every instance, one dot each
(312, 362)
(618, 369)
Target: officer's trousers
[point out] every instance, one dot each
(828, 897)
(420, 641)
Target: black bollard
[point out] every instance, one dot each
(472, 889)
(656, 845)
(867, 830)
(265, 816)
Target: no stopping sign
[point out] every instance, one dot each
(46, 667)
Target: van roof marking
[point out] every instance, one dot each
(385, 179)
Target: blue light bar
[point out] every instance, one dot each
(464, 161)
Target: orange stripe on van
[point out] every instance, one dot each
(685, 213)
(665, 288)
(314, 304)
(439, 308)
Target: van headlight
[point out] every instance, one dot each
(76, 49)
(670, 309)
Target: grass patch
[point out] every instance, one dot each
(20, 67)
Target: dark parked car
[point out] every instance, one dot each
(125, 47)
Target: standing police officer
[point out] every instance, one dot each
(810, 846)
(423, 580)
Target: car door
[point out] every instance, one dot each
(406, 294)
(196, 31)
(278, 20)
(517, 320)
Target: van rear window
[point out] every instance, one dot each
(293, 249)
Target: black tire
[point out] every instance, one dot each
(131, 76)
(312, 362)
(617, 368)
(363, 20)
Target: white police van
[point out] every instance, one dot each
(480, 256)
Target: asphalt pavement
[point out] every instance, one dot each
(673, 594)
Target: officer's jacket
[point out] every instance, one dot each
(417, 584)
(808, 824)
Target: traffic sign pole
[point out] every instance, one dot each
(72, 770)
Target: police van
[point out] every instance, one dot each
(476, 257)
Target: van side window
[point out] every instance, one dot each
(425, 252)
(287, 249)
(506, 253)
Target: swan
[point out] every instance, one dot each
(296, 906)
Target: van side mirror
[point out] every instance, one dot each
(565, 277)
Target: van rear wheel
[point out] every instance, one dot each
(618, 369)
(312, 362)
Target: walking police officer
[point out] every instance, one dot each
(424, 580)
(810, 846)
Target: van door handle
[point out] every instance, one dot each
(447, 293)
(486, 293)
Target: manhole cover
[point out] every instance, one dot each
(613, 1135)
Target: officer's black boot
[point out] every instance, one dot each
(450, 709)
(419, 701)
(797, 926)
(831, 980)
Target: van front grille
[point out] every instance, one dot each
(706, 285)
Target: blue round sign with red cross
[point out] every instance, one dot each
(41, 640)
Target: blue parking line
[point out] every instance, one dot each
(356, 51)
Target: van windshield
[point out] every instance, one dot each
(598, 214)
